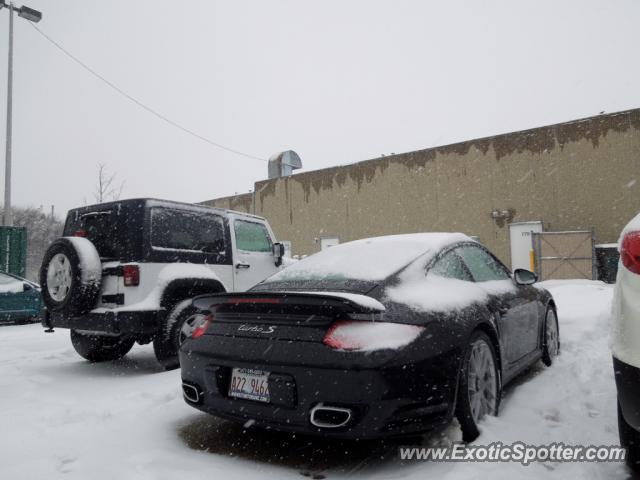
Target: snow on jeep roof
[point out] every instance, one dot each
(156, 202)
(368, 259)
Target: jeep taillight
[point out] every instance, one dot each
(630, 252)
(131, 274)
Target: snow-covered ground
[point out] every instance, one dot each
(61, 417)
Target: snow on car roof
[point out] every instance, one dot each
(368, 259)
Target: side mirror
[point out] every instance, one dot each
(524, 277)
(26, 287)
(278, 253)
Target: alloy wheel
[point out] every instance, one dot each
(482, 381)
(551, 333)
(59, 277)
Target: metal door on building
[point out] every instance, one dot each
(564, 255)
(520, 243)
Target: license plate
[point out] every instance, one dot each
(249, 384)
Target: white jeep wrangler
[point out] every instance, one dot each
(125, 272)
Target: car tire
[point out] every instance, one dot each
(479, 388)
(550, 337)
(100, 348)
(167, 342)
(25, 320)
(629, 439)
(70, 275)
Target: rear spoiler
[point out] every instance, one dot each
(337, 300)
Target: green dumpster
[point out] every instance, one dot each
(13, 250)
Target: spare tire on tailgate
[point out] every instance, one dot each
(70, 275)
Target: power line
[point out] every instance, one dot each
(139, 103)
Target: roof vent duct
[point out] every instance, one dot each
(282, 164)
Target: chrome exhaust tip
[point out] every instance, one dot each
(324, 416)
(191, 393)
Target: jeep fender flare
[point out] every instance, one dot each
(186, 288)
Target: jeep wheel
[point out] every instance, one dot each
(70, 275)
(100, 348)
(175, 329)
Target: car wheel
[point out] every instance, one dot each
(176, 329)
(100, 348)
(23, 320)
(630, 439)
(551, 339)
(479, 387)
(70, 275)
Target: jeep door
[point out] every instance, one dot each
(253, 252)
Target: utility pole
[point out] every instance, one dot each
(7, 217)
(32, 16)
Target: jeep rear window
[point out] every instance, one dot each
(115, 232)
(187, 231)
(97, 227)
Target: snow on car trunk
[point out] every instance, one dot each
(62, 417)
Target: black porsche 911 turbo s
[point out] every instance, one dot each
(386, 336)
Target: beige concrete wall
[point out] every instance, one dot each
(572, 176)
(240, 203)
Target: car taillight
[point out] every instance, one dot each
(630, 252)
(200, 326)
(80, 233)
(367, 336)
(131, 274)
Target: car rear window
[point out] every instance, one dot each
(187, 230)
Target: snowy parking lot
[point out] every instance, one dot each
(62, 417)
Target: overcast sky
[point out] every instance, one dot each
(337, 81)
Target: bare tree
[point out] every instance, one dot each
(107, 190)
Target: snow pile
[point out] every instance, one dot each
(572, 402)
(90, 264)
(63, 417)
(371, 336)
(368, 259)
